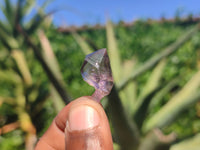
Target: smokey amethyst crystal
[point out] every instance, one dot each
(96, 71)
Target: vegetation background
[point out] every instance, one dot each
(154, 105)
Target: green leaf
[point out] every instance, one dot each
(52, 62)
(162, 93)
(18, 16)
(22, 66)
(35, 22)
(188, 144)
(5, 27)
(49, 55)
(8, 11)
(45, 4)
(7, 100)
(187, 96)
(152, 83)
(129, 93)
(9, 76)
(40, 100)
(82, 43)
(57, 101)
(113, 53)
(8, 40)
(28, 7)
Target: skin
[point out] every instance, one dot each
(81, 134)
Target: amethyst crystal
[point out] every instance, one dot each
(96, 72)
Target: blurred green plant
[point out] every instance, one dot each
(154, 94)
(27, 95)
(134, 129)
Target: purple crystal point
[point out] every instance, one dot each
(96, 72)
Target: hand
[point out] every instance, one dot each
(81, 125)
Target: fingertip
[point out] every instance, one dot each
(86, 124)
(82, 117)
(61, 118)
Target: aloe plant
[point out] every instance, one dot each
(135, 126)
(52, 62)
(27, 96)
(133, 129)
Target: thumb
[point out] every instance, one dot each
(84, 126)
(87, 127)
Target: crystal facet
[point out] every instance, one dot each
(96, 72)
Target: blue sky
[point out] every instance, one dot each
(80, 12)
